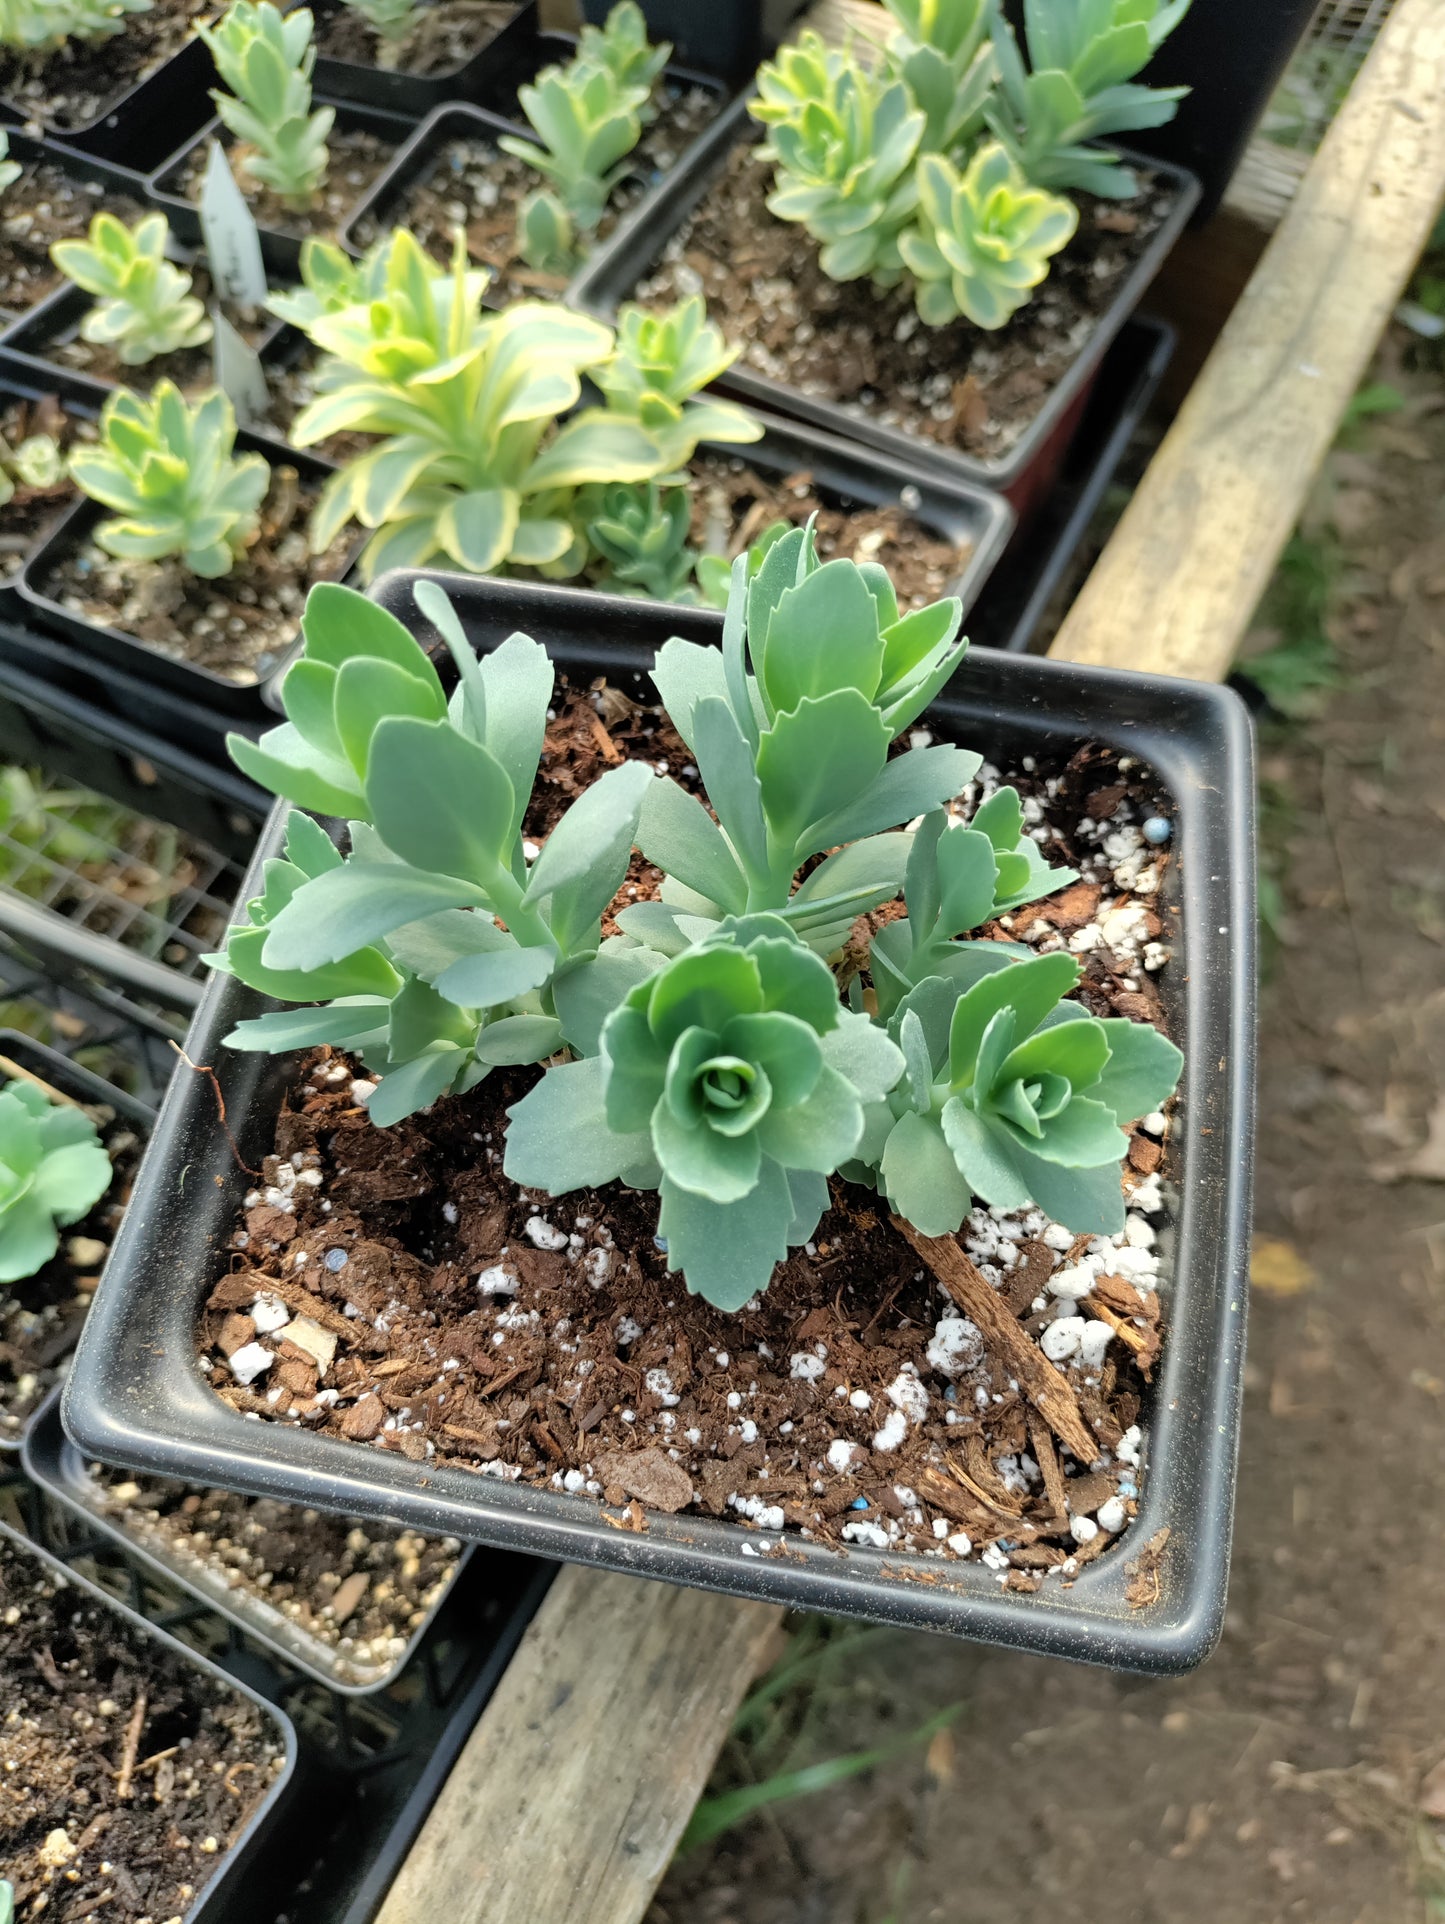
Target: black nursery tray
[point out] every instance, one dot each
(136, 1396)
(102, 177)
(141, 126)
(415, 95)
(633, 249)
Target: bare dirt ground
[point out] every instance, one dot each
(1300, 1775)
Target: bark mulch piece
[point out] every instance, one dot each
(127, 1774)
(866, 349)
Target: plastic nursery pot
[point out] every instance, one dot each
(1013, 602)
(220, 1897)
(1024, 474)
(93, 176)
(34, 520)
(410, 94)
(523, 55)
(113, 646)
(722, 40)
(141, 126)
(136, 1398)
(280, 250)
(19, 1053)
(380, 208)
(52, 1460)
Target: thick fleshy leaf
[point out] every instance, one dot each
(731, 777)
(1087, 1201)
(559, 1138)
(1083, 1135)
(796, 981)
(864, 1053)
(914, 1045)
(30, 1239)
(922, 1179)
(587, 992)
(814, 759)
(677, 834)
(657, 926)
(696, 1158)
(518, 678)
(810, 1196)
(365, 973)
(684, 674)
(430, 947)
(912, 784)
(70, 1179)
(636, 1069)
(415, 1085)
(727, 1252)
(584, 859)
(366, 692)
(786, 1048)
(818, 1133)
(966, 875)
(822, 635)
(1075, 1050)
(515, 1039)
(485, 980)
(351, 908)
(284, 1029)
(308, 845)
(984, 1154)
(704, 990)
(1142, 1072)
(438, 800)
(284, 762)
(1030, 988)
(339, 625)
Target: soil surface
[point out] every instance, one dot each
(443, 37)
(359, 1590)
(86, 78)
(865, 348)
(435, 1309)
(357, 157)
(44, 205)
(192, 369)
(127, 1773)
(40, 1317)
(29, 511)
(474, 185)
(238, 627)
(1299, 1776)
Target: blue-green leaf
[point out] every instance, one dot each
(558, 1136)
(438, 800)
(350, 908)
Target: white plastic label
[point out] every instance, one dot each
(233, 246)
(239, 374)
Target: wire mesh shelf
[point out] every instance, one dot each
(1321, 73)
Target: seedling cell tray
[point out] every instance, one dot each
(135, 1396)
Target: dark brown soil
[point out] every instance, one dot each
(85, 78)
(192, 369)
(1297, 1778)
(40, 1317)
(29, 511)
(444, 36)
(849, 342)
(356, 159)
(463, 1320)
(127, 1773)
(733, 504)
(238, 627)
(473, 185)
(43, 206)
(358, 1589)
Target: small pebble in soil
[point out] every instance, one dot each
(1157, 830)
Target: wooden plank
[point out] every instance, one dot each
(569, 1799)
(1176, 587)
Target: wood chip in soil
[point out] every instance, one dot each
(86, 78)
(360, 1590)
(127, 1773)
(44, 205)
(475, 186)
(30, 511)
(357, 157)
(41, 1315)
(543, 1341)
(865, 348)
(238, 627)
(444, 36)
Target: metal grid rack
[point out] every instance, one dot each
(100, 1030)
(1332, 53)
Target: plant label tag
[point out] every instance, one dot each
(239, 374)
(233, 246)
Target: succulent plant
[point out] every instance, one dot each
(1083, 55)
(53, 1169)
(660, 363)
(330, 281)
(31, 25)
(842, 141)
(477, 464)
(392, 19)
(36, 463)
(621, 46)
(641, 531)
(402, 940)
(168, 469)
(266, 58)
(982, 241)
(145, 306)
(944, 55)
(1015, 1096)
(10, 170)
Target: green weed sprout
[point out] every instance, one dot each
(982, 240)
(167, 468)
(36, 463)
(10, 170)
(145, 306)
(402, 940)
(1078, 88)
(943, 53)
(42, 25)
(266, 58)
(842, 141)
(53, 1170)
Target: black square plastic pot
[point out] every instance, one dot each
(85, 169)
(725, 40)
(137, 1397)
(115, 648)
(280, 251)
(140, 128)
(523, 54)
(415, 95)
(1024, 474)
(221, 1896)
